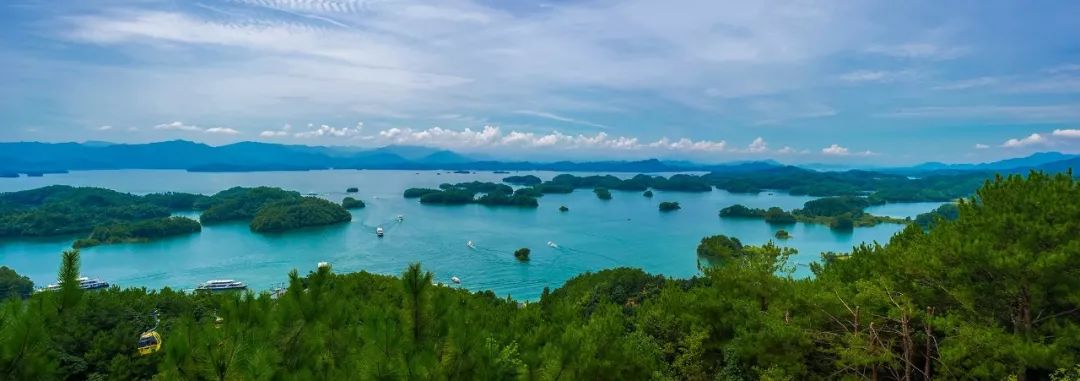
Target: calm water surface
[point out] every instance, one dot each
(625, 231)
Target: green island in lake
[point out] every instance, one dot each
(841, 213)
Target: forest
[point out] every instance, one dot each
(993, 294)
(65, 210)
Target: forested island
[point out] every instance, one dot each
(294, 214)
(972, 298)
(140, 231)
(841, 213)
(352, 203)
(64, 210)
(879, 187)
(493, 194)
(113, 217)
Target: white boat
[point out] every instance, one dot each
(470, 245)
(455, 279)
(221, 285)
(379, 231)
(85, 283)
(400, 218)
(552, 244)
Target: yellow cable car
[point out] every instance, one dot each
(149, 342)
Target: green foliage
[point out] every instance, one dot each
(602, 193)
(782, 234)
(242, 204)
(142, 231)
(741, 211)
(352, 203)
(419, 192)
(992, 295)
(647, 194)
(522, 254)
(842, 222)
(778, 216)
(294, 214)
(668, 206)
(834, 206)
(352, 190)
(945, 212)
(13, 285)
(60, 209)
(527, 180)
(720, 247)
(502, 199)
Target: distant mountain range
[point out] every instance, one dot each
(36, 158)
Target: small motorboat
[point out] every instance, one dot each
(85, 283)
(455, 279)
(400, 218)
(470, 245)
(221, 285)
(379, 231)
(552, 244)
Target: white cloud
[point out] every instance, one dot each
(222, 130)
(104, 128)
(837, 150)
(786, 150)
(981, 146)
(177, 125)
(758, 145)
(1029, 140)
(273, 134)
(494, 137)
(325, 130)
(834, 149)
(1067, 133)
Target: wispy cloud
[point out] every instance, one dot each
(1054, 112)
(181, 126)
(548, 115)
(916, 50)
(965, 84)
(880, 76)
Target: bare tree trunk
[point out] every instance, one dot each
(907, 344)
(929, 341)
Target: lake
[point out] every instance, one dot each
(625, 231)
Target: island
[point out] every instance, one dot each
(287, 215)
(352, 190)
(668, 206)
(648, 194)
(352, 203)
(564, 209)
(522, 180)
(522, 254)
(242, 204)
(602, 193)
(782, 234)
(494, 194)
(65, 210)
(419, 192)
(839, 213)
(140, 231)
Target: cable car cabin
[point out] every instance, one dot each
(149, 342)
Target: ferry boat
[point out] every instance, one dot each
(455, 279)
(85, 283)
(379, 231)
(221, 285)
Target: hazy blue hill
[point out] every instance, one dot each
(444, 157)
(1062, 165)
(1032, 161)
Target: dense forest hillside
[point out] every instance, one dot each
(991, 295)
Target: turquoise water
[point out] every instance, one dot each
(625, 231)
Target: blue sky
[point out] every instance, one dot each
(866, 82)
